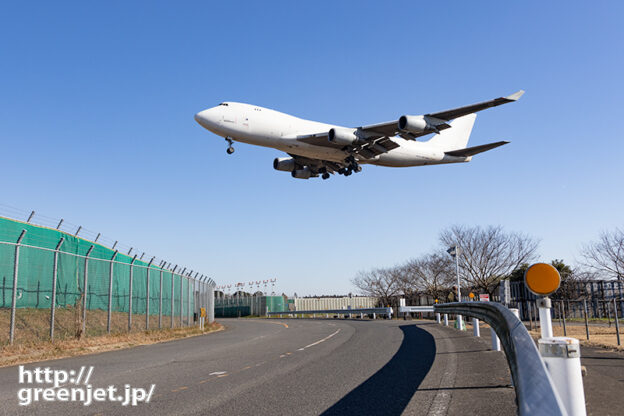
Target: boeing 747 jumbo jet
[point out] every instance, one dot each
(323, 149)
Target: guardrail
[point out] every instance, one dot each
(535, 391)
(367, 311)
(415, 309)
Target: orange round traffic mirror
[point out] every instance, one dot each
(471, 295)
(542, 279)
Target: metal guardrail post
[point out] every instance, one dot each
(110, 292)
(496, 344)
(86, 291)
(54, 278)
(130, 293)
(476, 331)
(172, 292)
(14, 291)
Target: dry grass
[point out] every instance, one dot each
(599, 336)
(32, 327)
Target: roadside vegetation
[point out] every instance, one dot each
(32, 334)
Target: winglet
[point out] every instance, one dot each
(515, 96)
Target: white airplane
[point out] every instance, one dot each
(323, 149)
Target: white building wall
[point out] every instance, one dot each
(319, 304)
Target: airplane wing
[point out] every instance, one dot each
(375, 138)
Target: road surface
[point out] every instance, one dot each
(296, 367)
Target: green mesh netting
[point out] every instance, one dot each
(36, 270)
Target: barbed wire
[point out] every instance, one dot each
(60, 224)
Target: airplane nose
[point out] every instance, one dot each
(201, 117)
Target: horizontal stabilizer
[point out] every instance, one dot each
(471, 151)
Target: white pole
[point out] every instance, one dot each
(446, 319)
(495, 341)
(562, 356)
(460, 322)
(544, 305)
(437, 318)
(475, 330)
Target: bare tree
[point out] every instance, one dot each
(606, 255)
(431, 274)
(382, 283)
(488, 254)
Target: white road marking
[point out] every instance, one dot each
(319, 341)
(216, 373)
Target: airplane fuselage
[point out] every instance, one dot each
(269, 128)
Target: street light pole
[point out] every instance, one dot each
(455, 251)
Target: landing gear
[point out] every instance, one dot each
(230, 149)
(353, 165)
(325, 176)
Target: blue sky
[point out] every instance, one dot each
(96, 125)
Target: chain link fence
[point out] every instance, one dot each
(54, 285)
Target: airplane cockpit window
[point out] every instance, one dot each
(224, 104)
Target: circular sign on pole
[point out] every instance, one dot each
(471, 295)
(542, 279)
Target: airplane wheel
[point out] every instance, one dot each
(358, 168)
(348, 172)
(230, 150)
(325, 176)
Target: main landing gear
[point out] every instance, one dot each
(352, 166)
(230, 149)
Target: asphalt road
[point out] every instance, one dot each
(296, 367)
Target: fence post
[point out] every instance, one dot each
(182, 298)
(110, 292)
(172, 291)
(130, 293)
(86, 292)
(147, 295)
(54, 278)
(617, 323)
(211, 302)
(562, 311)
(188, 302)
(160, 299)
(586, 323)
(14, 295)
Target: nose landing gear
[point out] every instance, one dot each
(230, 149)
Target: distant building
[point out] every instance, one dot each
(323, 303)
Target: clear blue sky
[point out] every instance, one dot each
(96, 124)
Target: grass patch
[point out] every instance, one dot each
(32, 333)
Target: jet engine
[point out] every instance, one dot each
(304, 173)
(343, 137)
(285, 164)
(414, 124)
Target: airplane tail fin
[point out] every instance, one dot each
(457, 136)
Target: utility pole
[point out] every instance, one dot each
(455, 251)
